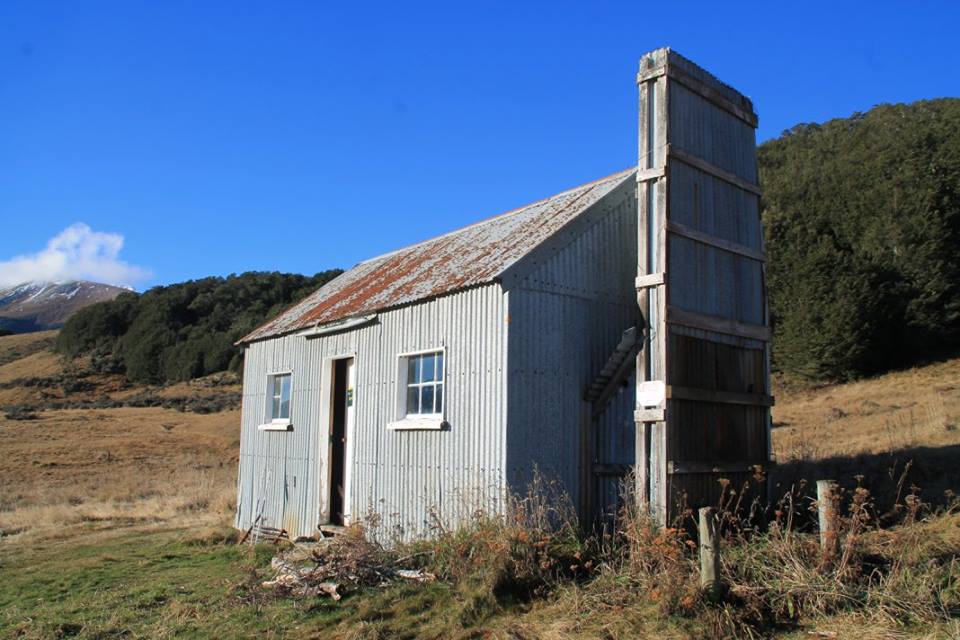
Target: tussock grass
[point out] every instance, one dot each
(533, 572)
(917, 407)
(194, 495)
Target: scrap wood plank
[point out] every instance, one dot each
(714, 241)
(696, 162)
(675, 392)
(258, 531)
(718, 324)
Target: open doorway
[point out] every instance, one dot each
(341, 428)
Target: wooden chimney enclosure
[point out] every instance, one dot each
(703, 372)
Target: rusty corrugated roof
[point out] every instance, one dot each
(473, 255)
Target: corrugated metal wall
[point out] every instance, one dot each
(616, 445)
(399, 477)
(567, 315)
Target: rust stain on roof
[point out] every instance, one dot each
(470, 256)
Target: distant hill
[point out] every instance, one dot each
(182, 331)
(38, 306)
(862, 216)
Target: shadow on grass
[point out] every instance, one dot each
(933, 472)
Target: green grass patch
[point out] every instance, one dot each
(164, 584)
(172, 584)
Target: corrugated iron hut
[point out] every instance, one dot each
(424, 383)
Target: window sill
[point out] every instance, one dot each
(417, 424)
(276, 425)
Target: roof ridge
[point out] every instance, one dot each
(497, 216)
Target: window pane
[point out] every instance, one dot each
(426, 400)
(413, 400)
(439, 399)
(439, 366)
(413, 369)
(280, 397)
(426, 373)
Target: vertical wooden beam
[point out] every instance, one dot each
(651, 448)
(662, 263)
(642, 467)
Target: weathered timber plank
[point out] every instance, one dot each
(648, 415)
(706, 92)
(675, 392)
(649, 280)
(653, 74)
(708, 239)
(660, 496)
(644, 175)
(720, 466)
(718, 324)
(707, 167)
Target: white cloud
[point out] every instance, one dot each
(76, 253)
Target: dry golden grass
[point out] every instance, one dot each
(115, 467)
(871, 431)
(40, 364)
(27, 355)
(897, 411)
(76, 470)
(22, 344)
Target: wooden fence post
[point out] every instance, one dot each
(710, 553)
(827, 512)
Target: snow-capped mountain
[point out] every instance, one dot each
(35, 306)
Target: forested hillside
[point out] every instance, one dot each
(862, 218)
(184, 330)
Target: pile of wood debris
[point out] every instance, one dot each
(335, 566)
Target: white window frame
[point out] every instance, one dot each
(418, 421)
(269, 422)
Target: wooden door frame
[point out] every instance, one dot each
(326, 444)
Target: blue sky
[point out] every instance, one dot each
(212, 138)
